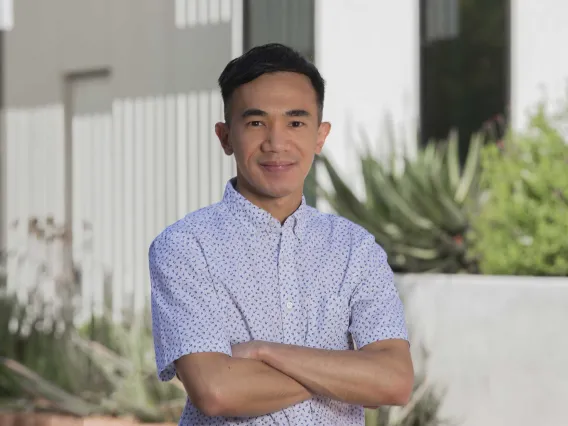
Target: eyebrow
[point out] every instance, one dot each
(255, 112)
(298, 113)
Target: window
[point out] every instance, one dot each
(290, 22)
(6, 15)
(464, 66)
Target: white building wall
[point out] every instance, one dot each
(368, 53)
(539, 63)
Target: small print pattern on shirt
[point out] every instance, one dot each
(231, 273)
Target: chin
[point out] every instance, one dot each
(278, 188)
(278, 191)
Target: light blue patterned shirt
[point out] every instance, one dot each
(230, 273)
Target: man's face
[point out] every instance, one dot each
(274, 133)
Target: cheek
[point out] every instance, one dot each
(245, 152)
(309, 147)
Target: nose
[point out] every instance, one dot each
(277, 138)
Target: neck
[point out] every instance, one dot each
(279, 208)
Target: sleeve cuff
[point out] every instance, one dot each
(166, 367)
(379, 335)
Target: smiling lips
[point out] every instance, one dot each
(277, 166)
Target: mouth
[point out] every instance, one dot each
(277, 166)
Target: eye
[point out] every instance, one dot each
(296, 124)
(254, 123)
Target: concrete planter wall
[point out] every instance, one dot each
(498, 346)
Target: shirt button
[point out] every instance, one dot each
(289, 305)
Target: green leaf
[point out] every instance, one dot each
(453, 160)
(470, 169)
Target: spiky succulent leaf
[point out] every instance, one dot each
(418, 214)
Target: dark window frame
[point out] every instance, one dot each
(425, 128)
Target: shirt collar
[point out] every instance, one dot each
(259, 218)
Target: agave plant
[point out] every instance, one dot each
(38, 367)
(419, 215)
(130, 366)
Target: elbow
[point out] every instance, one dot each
(402, 391)
(210, 402)
(398, 393)
(214, 402)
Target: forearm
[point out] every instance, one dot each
(355, 377)
(250, 388)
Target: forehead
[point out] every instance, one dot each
(285, 89)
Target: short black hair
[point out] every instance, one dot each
(264, 59)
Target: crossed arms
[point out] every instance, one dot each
(262, 377)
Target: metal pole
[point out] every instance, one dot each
(3, 163)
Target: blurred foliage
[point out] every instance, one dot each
(419, 214)
(422, 410)
(37, 362)
(66, 372)
(47, 363)
(522, 221)
(131, 367)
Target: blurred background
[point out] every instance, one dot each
(449, 144)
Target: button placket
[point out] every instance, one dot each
(284, 271)
(291, 307)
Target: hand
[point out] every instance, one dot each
(249, 350)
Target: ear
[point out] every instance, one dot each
(222, 132)
(323, 132)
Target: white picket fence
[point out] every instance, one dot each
(136, 169)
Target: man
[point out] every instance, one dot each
(259, 300)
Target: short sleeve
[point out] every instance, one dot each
(186, 316)
(377, 312)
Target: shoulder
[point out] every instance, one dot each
(182, 237)
(340, 230)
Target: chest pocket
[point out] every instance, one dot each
(328, 322)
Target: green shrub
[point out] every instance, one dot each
(521, 226)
